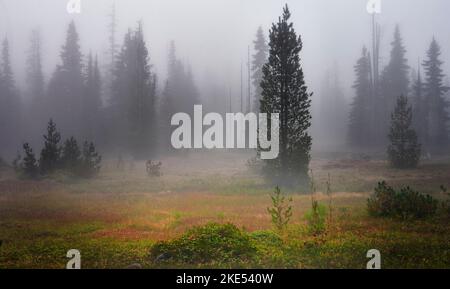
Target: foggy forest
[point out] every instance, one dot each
(88, 162)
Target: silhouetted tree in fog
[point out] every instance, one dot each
(284, 91)
(394, 82)
(91, 100)
(9, 103)
(330, 120)
(259, 59)
(179, 95)
(66, 86)
(436, 104)
(404, 149)
(71, 155)
(35, 85)
(133, 98)
(361, 107)
(51, 152)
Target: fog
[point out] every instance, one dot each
(212, 37)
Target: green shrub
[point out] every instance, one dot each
(211, 243)
(316, 218)
(405, 204)
(382, 202)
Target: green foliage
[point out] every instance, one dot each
(404, 149)
(316, 218)
(405, 204)
(208, 244)
(281, 210)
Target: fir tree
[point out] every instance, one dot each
(91, 160)
(360, 113)
(434, 95)
(330, 119)
(395, 82)
(51, 153)
(404, 149)
(259, 59)
(134, 95)
(179, 94)
(284, 91)
(29, 164)
(35, 75)
(35, 87)
(92, 99)
(71, 155)
(9, 102)
(397, 70)
(66, 87)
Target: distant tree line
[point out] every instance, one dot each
(119, 110)
(376, 97)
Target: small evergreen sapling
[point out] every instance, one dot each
(281, 210)
(50, 154)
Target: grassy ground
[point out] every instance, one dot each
(116, 218)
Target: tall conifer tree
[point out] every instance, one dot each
(284, 91)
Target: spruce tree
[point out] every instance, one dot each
(361, 109)
(92, 99)
(66, 86)
(71, 155)
(284, 91)
(29, 164)
(91, 160)
(434, 96)
(35, 75)
(134, 96)
(395, 82)
(179, 94)
(404, 149)
(397, 70)
(259, 59)
(51, 153)
(10, 105)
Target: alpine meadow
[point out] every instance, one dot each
(224, 134)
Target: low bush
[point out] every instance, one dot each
(405, 204)
(208, 244)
